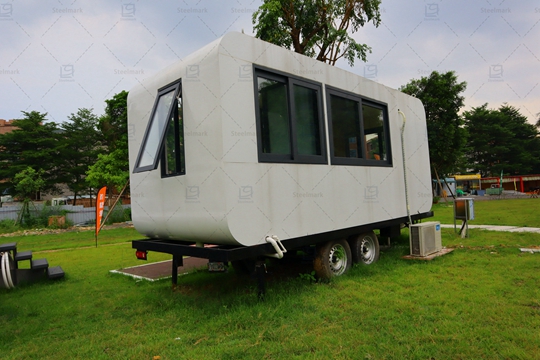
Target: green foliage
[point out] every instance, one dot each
(309, 277)
(118, 215)
(8, 226)
(28, 182)
(441, 95)
(112, 168)
(319, 29)
(34, 144)
(501, 140)
(80, 147)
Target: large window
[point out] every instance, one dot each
(289, 119)
(164, 135)
(358, 130)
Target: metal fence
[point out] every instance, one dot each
(74, 214)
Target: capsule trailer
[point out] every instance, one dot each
(244, 141)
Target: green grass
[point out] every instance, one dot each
(72, 239)
(515, 212)
(479, 302)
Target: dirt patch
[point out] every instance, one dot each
(70, 229)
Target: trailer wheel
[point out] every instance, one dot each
(365, 248)
(333, 258)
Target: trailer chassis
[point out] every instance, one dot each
(227, 253)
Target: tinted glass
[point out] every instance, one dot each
(159, 122)
(374, 132)
(345, 127)
(274, 116)
(307, 121)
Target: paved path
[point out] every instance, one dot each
(497, 228)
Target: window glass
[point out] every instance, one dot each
(173, 149)
(374, 132)
(150, 149)
(274, 116)
(345, 127)
(170, 148)
(307, 121)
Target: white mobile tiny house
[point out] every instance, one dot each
(244, 139)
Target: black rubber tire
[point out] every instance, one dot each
(364, 248)
(332, 258)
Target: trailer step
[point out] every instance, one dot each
(8, 247)
(39, 264)
(23, 255)
(55, 272)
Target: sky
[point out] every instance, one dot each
(57, 56)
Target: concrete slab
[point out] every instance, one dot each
(429, 257)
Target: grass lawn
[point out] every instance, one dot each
(515, 212)
(480, 302)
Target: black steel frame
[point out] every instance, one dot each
(226, 253)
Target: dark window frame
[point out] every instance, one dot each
(174, 86)
(361, 100)
(290, 81)
(180, 165)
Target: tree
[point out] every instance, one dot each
(442, 99)
(317, 28)
(112, 168)
(27, 183)
(501, 140)
(33, 144)
(79, 148)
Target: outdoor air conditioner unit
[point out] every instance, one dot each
(425, 238)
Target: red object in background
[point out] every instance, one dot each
(100, 205)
